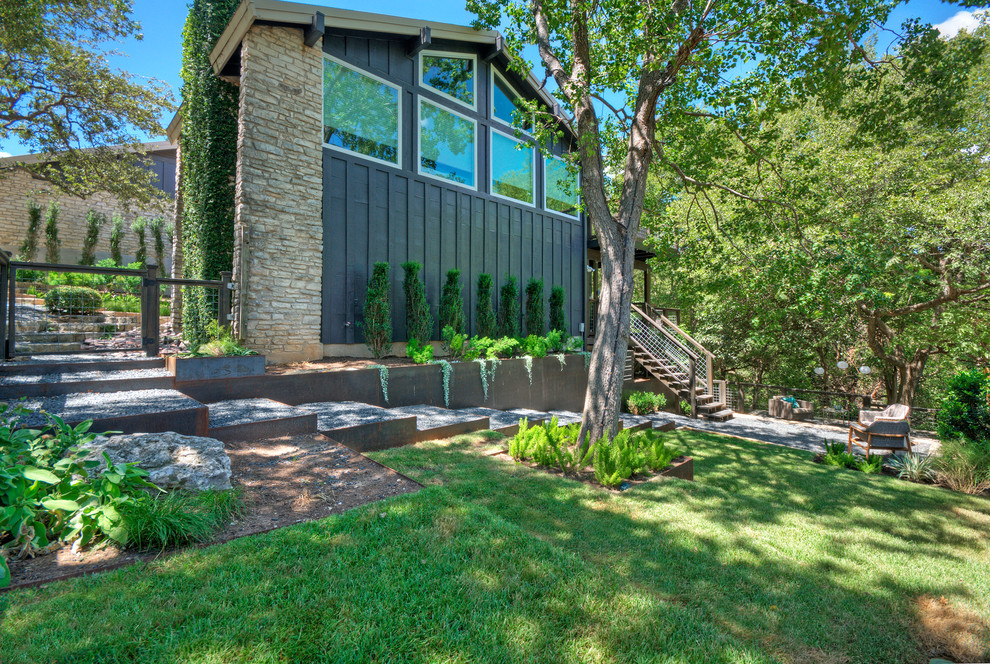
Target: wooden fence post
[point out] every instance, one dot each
(150, 311)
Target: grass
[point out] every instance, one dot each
(767, 557)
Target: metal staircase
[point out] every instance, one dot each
(673, 357)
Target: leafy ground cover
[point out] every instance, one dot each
(768, 557)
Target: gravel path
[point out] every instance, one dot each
(433, 417)
(245, 411)
(79, 376)
(80, 406)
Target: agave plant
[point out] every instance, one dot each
(914, 467)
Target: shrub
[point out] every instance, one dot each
(913, 467)
(73, 300)
(219, 341)
(453, 343)
(419, 320)
(116, 237)
(53, 246)
(140, 226)
(535, 317)
(451, 303)
(644, 403)
(419, 353)
(508, 308)
(30, 245)
(657, 453)
(175, 519)
(487, 348)
(156, 226)
(611, 465)
(485, 317)
(378, 312)
(966, 410)
(534, 346)
(964, 465)
(94, 222)
(557, 319)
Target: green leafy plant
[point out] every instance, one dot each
(453, 342)
(94, 223)
(30, 245)
(913, 467)
(175, 519)
(556, 342)
(140, 227)
(486, 325)
(420, 353)
(451, 303)
(53, 245)
(611, 465)
(558, 321)
(871, 465)
(966, 409)
(73, 300)
(508, 308)
(116, 237)
(378, 312)
(963, 465)
(644, 403)
(658, 454)
(534, 346)
(220, 342)
(419, 320)
(535, 314)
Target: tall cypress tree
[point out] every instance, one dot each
(378, 312)
(535, 318)
(485, 318)
(419, 320)
(508, 308)
(451, 303)
(557, 319)
(209, 158)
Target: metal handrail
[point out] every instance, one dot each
(667, 334)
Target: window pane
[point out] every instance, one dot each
(359, 113)
(446, 144)
(452, 76)
(506, 106)
(562, 189)
(512, 169)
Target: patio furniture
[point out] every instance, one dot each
(786, 410)
(887, 429)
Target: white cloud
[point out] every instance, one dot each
(4, 154)
(963, 20)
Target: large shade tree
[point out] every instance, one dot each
(60, 96)
(634, 74)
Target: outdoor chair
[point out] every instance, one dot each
(886, 429)
(786, 410)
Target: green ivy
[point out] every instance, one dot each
(116, 236)
(140, 227)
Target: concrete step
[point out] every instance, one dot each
(51, 383)
(718, 416)
(361, 426)
(253, 419)
(433, 422)
(506, 421)
(41, 364)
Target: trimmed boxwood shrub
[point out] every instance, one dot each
(73, 300)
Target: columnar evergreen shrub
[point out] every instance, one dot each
(557, 320)
(535, 313)
(378, 312)
(116, 237)
(508, 308)
(53, 246)
(451, 303)
(485, 317)
(419, 320)
(156, 226)
(30, 245)
(209, 158)
(139, 226)
(94, 222)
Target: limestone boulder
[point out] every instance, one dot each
(173, 461)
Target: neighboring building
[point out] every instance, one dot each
(18, 186)
(364, 138)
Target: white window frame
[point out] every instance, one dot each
(419, 143)
(458, 56)
(491, 111)
(577, 184)
(338, 148)
(491, 164)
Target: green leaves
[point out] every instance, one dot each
(39, 475)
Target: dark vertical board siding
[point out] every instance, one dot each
(357, 242)
(576, 288)
(515, 253)
(378, 56)
(357, 51)
(432, 232)
(526, 247)
(477, 264)
(335, 253)
(398, 248)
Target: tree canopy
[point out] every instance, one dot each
(60, 96)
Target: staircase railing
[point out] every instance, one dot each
(663, 346)
(705, 370)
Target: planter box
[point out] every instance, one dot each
(206, 368)
(682, 468)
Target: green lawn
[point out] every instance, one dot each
(767, 557)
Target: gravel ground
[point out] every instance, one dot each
(432, 417)
(245, 411)
(80, 376)
(781, 432)
(101, 405)
(332, 415)
(498, 419)
(80, 358)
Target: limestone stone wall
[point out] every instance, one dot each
(17, 187)
(278, 224)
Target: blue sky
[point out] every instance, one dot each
(159, 54)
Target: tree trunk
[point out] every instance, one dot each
(911, 374)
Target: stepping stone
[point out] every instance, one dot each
(433, 422)
(361, 426)
(253, 419)
(135, 411)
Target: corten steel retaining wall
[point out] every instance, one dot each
(553, 387)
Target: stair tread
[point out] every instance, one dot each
(79, 406)
(247, 411)
(435, 417)
(14, 379)
(331, 415)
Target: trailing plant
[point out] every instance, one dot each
(419, 353)
(73, 300)
(535, 314)
(382, 378)
(446, 370)
(156, 226)
(140, 227)
(486, 325)
(487, 374)
(116, 237)
(587, 362)
(453, 342)
(557, 319)
(528, 363)
(562, 359)
(53, 245)
(508, 308)
(645, 403)
(378, 311)
(419, 320)
(30, 245)
(913, 467)
(451, 303)
(94, 222)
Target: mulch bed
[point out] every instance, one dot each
(283, 481)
